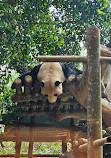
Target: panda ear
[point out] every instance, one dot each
(42, 84)
(57, 83)
(35, 71)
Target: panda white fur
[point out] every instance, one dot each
(51, 76)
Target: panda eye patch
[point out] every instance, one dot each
(55, 95)
(42, 84)
(57, 83)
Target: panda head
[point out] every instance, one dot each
(51, 77)
(51, 89)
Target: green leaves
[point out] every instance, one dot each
(106, 3)
(30, 24)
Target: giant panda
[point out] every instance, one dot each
(51, 76)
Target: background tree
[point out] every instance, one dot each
(30, 28)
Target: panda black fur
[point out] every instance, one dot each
(51, 76)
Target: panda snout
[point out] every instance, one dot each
(52, 99)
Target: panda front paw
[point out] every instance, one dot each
(74, 79)
(71, 78)
(79, 77)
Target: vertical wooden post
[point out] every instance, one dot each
(30, 151)
(64, 146)
(17, 149)
(18, 143)
(17, 84)
(94, 108)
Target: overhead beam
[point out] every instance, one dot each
(62, 58)
(71, 59)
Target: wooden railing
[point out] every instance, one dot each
(39, 134)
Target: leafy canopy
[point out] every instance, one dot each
(40, 27)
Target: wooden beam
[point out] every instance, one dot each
(62, 58)
(105, 60)
(94, 108)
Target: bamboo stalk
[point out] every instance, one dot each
(94, 108)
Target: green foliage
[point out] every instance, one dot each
(47, 148)
(30, 28)
(38, 148)
(6, 105)
(9, 148)
(24, 147)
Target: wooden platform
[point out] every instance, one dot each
(40, 134)
(31, 102)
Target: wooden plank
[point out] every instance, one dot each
(39, 134)
(94, 108)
